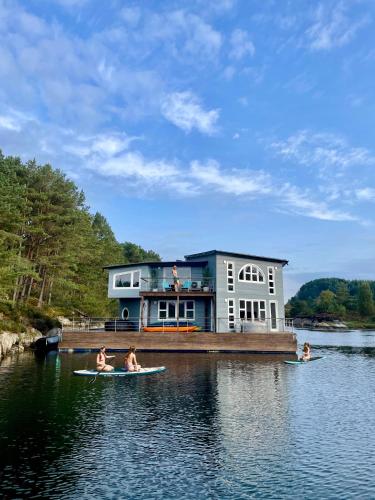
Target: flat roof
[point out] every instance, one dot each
(178, 263)
(233, 254)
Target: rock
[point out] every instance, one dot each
(11, 343)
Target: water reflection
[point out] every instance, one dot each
(212, 426)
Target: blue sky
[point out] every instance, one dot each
(245, 126)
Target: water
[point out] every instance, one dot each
(213, 426)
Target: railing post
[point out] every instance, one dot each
(115, 325)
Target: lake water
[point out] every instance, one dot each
(217, 426)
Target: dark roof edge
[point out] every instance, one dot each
(181, 263)
(234, 254)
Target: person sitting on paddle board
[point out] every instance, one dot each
(101, 365)
(131, 364)
(306, 356)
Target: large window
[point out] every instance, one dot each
(253, 310)
(252, 273)
(168, 309)
(129, 279)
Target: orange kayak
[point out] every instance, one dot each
(185, 329)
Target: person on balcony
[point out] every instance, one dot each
(176, 281)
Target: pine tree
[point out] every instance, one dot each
(365, 299)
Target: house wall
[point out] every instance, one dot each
(248, 290)
(117, 293)
(133, 307)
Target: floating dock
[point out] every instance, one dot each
(266, 343)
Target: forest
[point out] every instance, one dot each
(349, 300)
(52, 248)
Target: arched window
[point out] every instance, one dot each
(125, 313)
(251, 272)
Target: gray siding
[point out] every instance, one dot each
(242, 290)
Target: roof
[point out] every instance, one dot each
(178, 263)
(233, 254)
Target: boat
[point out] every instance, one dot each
(49, 342)
(304, 362)
(172, 326)
(119, 372)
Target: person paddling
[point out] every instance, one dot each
(306, 352)
(101, 358)
(131, 364)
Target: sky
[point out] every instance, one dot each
(238, 125)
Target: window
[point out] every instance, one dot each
(168, 309)
(251, 272)
(129, 279)
(125, 313)
(230, 276)
(231, 315)
(271, 280)
(253, 310)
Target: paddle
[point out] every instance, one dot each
(97, 372)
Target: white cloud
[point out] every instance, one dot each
(131, 15)
(237, 181)
(333, 27)
(184, 110)
(104, 145)
(323, 150)
(9, 123)
(365, 194)
(241, 45)
(301, 203)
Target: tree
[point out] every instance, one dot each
(326, 302)
(365, 299)
(134, 253)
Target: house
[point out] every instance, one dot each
(216, 291)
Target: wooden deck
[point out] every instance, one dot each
(174, 342)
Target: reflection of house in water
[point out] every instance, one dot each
(252, 404)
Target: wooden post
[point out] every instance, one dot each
(178, 309)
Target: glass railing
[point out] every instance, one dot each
(200, 284)
(182, 324)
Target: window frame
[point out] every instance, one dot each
(131, 287)
(250, 270)
(181, 302)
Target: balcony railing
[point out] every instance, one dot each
(198, 324)
(200, 284)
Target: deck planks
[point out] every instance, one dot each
(196, 341)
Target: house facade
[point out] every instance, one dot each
(214, 291)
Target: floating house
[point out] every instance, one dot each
(212, 291)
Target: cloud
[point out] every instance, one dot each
(300, 202)
(9, 123)
(104, 145)
(365, 194)
(323, 150)
(241, 45)
(184, 110)
(333, 27)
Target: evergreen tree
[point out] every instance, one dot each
(365, 300)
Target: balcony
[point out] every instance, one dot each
(202, 286)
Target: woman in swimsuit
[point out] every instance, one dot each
(101, 365)
(306, 356)
(131, 364)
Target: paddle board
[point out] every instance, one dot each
(119, 372)
(303, 362)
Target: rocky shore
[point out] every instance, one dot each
(11, 343)
(320, 324)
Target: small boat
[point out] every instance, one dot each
(119, 372)
(49, 342)
(304, 362)
(172, 326)
(184, 329)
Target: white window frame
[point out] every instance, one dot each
(231, 314)
(230, 275)
(254, 269)
(131, 280)
(252, 309)
(277, 314)
(271, 280)
(183, 318)
(122, 313)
